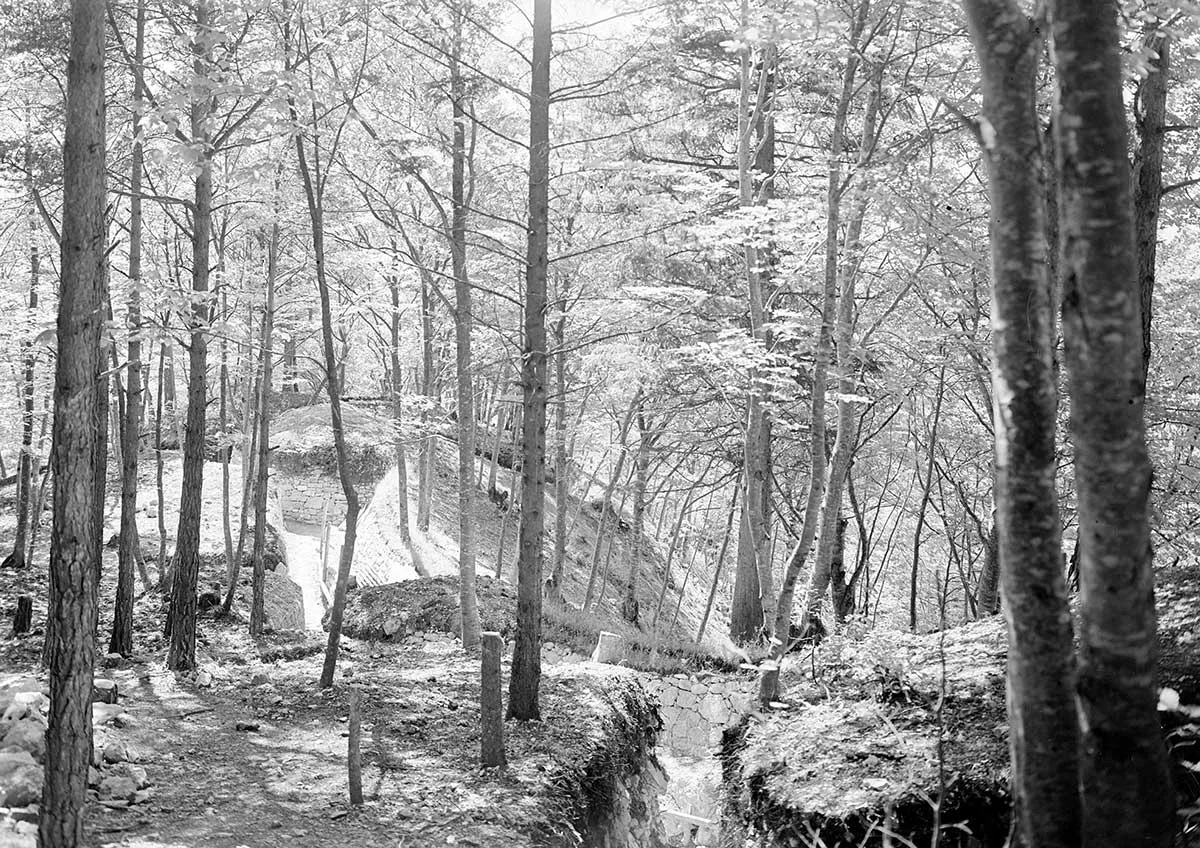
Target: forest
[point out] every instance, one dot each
(614, 423)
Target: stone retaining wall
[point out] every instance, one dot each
(304, 496)
(696, 709)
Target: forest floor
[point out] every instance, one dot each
(247, 751)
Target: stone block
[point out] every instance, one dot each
(20, 779)
(29, 735)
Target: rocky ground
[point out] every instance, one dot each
(247, 751)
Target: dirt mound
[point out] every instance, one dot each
(394, 610)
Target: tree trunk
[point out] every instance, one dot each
(608, 491)
(428, 460)
(987, 595)
(127, 538)
(75, 543)
(314, 186)
(527, 650)
(1150, 122)
(163, 581)
(712, 594)
(398, 414)
(641, 471)
(1044, 734)
(467, 599)
(1127, 797)
(182, 615)
(847, 419)
(263, 447)
(562, 470)
(926, 494)
(824, 349)
(25, 464)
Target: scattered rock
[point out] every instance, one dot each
(117, 787)
(112, 660)
(203, 679)
(104, 691)
(28, 734)
(135, 773)
(105, 714)
(116, 752)
(20, 779)
(259, 679)
(247, 726)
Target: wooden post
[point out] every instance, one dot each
(609, 648)
(23, 617)
(491, 714)
(354, 758)
(768, 684)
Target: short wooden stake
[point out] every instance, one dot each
(23, 617)
(768, 684)
(355, 755)
(491, 713)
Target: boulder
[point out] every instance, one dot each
(20, 779)
(116, 752)
(136, 774)
(28, 734)
(118, 787)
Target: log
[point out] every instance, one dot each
(491, 712)
(23, 617)
(609, 648)
(354, 754)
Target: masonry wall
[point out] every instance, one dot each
(304, 496)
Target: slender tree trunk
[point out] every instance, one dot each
(398, 414)
(987, 595)
(675, 543)
(223, 425)
(463, 319)
(716, 581)
(829, 538)
(926, 494)
(164, 580)
(527, 650)
(1151, 123)
(127, 539)
(75, 543)
(428, 460)
(182, 615)
(263, 447)
(25, 461)
(562, 469)
(824, 348)
(641, 470)
(1127, 797)
(608, 491)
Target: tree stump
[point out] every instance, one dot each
(491, 712)
(608, 648)
(354, 754)
(23, 617)
(104, 692)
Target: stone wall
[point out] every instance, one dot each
(696, 709)
(304, 495)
